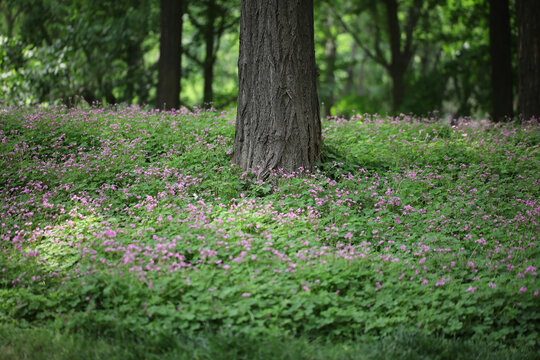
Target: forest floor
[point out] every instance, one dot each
(127, 233)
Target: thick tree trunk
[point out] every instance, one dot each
(278, 124)
(501, 59)
(170, 55)
(528, 15)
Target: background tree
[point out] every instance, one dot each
(462, 35)
(62, 49)
(500, 46)
(51, 51)
(401, 51)
(170, 55)
(10, 13)
(400, 40)
(328, 62)
(528, 13)
(277, 124)
(211, 19)
(107, 41)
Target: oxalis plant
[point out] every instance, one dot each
(130, 222)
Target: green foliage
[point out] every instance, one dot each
(35, 343)
(61, 52)
(131, 225)
(347, 105)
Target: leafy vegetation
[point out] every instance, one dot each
(130, 225)
(54, 52)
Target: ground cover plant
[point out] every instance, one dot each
(128, 223)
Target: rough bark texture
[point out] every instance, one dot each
(170, 55)
(528, 15)
(501, 59)
(278, 124)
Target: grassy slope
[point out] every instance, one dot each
(129, 223)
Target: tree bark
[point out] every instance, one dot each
(528, 13)
(170, 55)
(501, 59)
(278, 122)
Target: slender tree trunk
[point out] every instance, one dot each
(9, 18)
(501, 59)
(209, 59)
(528, 15)
(401, 47)
(134, 63)
(396, 69)
(349, 83)
(398, 86)
(278, 124)
(360, 89)
(330, 51)
(170, 55)
(400, 58)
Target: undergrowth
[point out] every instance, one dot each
(127, 222)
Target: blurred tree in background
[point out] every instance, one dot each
(528, 13)
(211, 19)
(170, 54)
(457, 57)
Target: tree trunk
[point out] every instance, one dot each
(396, 63)
(501, 59)
(528, 13)
(330, 50)
(209, 59)
(134, 63)
(400, 55)
(170, 55)
(349, 82)
(278, 122)
(397, 74)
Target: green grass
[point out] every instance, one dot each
(17, 344)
